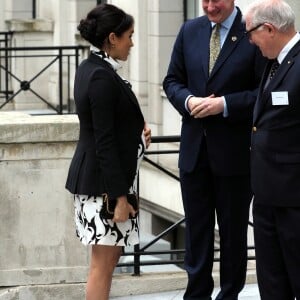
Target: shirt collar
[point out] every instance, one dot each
(229, 21)
(114, 63)
(288, 47)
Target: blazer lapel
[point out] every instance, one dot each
(126, 88)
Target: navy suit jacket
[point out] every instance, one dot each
(111, 125)
(236, 75)
(275, 149)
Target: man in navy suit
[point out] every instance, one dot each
(275, 151)
(216, 108)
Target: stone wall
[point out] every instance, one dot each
(38, 242)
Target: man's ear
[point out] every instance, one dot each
(270, 27)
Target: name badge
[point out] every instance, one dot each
(280, 98)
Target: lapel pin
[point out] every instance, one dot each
(234, 38)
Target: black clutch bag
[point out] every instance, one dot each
(108, 207)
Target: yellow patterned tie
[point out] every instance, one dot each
(214, 46)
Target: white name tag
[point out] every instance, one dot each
(280, 98)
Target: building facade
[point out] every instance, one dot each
(54, 22)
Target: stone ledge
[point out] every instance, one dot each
(18, 127)
(30, 25)
(42, 276)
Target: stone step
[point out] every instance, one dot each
(126, 286)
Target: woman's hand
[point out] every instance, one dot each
(122, 210)
(147, 135)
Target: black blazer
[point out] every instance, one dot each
(111, 125)
(236, 75)
(275, 149)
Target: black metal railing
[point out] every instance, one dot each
(142, 251)
(33, 9)
(61, 57)
(5, 43)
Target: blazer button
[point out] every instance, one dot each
(254, 129)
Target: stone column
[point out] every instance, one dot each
(161, 37)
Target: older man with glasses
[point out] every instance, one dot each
(275, 150)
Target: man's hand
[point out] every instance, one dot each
(201, 107)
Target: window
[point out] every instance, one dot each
(101, 1)
(191, 9)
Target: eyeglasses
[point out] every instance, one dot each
(248, 32)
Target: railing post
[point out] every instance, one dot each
(60, 72)
(33, 9)
(6, 67)
(137, 257)
(68, 79)
(136, 261)
(76, 57)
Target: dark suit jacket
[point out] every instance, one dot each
(236, 76)
(275, 150)
(111, 124)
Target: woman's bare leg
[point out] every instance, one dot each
(103, 262)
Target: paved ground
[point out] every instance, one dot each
(250, 292)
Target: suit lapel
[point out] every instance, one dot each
(265, 93)
(284, 67)
(204, 37)
(235, 34)
(261, 98)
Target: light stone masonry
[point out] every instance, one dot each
(38, 242)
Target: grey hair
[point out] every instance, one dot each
(276, 12)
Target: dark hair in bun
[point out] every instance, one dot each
(101, 21)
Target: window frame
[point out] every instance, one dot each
(191, 9)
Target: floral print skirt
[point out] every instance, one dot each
(93, 230)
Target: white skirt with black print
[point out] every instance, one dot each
(94, 230)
